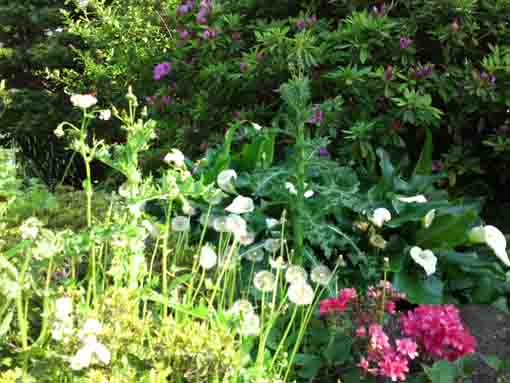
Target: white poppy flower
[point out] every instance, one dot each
(264, 281)
(429, 217)
(424, 258)
(300, 293)
(321, 275)
(241, 308)
(208, 257)
(247, 239)
(241, 205)
(278, 263)
(175, 157)
(180, 224)
(236, 225)
(254, 255)
(225, 179)
(420, 198)
(492, 237)
(250, 325)
(63, 308)
(291, 188)
(380, 216)
(83, 101)
(220, 224)
(295, 274)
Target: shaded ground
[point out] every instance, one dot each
(491, 327)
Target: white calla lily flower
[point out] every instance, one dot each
(420, 198)
(380, 216)
(424, 258)
(241, 205)
(225, 179)
(492, 237)
(428, 218)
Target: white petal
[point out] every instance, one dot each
(241, 205)
(380, 216)
(420, 198)
(309, 193)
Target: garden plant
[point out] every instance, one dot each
(251, 191)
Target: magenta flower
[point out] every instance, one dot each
(300, 24)
(161, 70)
(405, 42)
(323, 152)
(407, 347)
(243, 67)
(184, 34)
(209, 34)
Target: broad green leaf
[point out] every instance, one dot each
(419, 291)
(441, 372)
(424, 165)
(339, 350)
(446, 230)
(6, 323)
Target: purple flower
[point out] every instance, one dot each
(388, 73)
(493, 79)
(161, 70)
(405, 42)
(150, 99)
(243, 67)
(209, 34)
(300, 24)
(184, 34)
(317, 116)
(311, 20)
(436, 166)
(183, 9)
(379, 10)
(201, 16)
(323, 152)
(165, 100)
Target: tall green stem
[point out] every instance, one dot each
(164, 261)
(300, 199)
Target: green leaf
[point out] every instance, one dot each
(339, 350)
(446, 231)
(492, 361)
(419, 291)
(441, 372)
(310, 365)
(6, 323)
(424, 165)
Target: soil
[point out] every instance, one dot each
(491, 328)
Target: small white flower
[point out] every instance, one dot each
(271, 222)
(250, 325)
(180, 224)
(278, 263)
(63, 308)
(429, 217)
(225, 179)
(492, 237)
(291, 188)
(254, 255)
(105, 115)
(424, 258)
(59, 132)
(241, 205)
(241, 308)
(256, 126)
(59, 30)
(208, 258)
(236, 225)
(380, 216)
(91, 327)
(295, 274)
(264, 281)
(309, 193)
(83, 101)
(300, 293)
(272, 245)
(83, 3)
(220, 224)
(81, 359)
(420, 198)
(321, 275)
(30, 228)
(175, 157)
(247, 239)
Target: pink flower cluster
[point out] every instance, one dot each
(439, 330)
(338, 304)
(382, 358)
